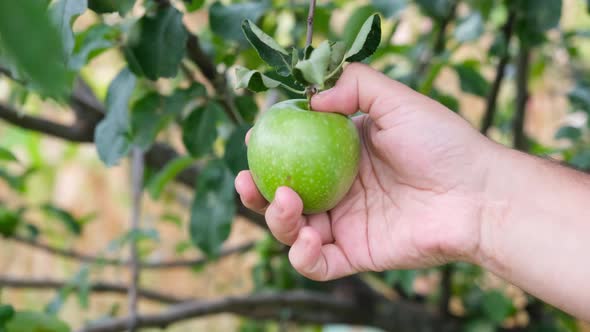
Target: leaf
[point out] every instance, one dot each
(267, 48)
(15, 182)
(581, 160)
(354, 24)
(246, 107)
(6, 313)
(536, 17)
(224, 19)
(435, 8)
(7, 155)
(469, 28)
(147, 119)
(568, 132)
(168, 173)
(405, 278)
(157, 44)
(389, 8)
(213, 208)
(72, 224)
(111, 6)
(35, 321)
(81, 281)
(199, 131)
(579, 97)
(112, 133)
(496, 306)
(235, 155)
(366, 41)
(176, 103)
(63, 13)
(479, 325)
(254, 80)
(26, 32)
(91, 43)
(471, 79)
(194, 5)
(314, 69)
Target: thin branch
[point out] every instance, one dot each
(310, 15)
(522, 95)
(492, 99)
(137, 170)
(75, 132)
(439, 41)
(97, 287)
(301, 306)
(181, 263)
(445, 288)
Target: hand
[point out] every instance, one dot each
(417, 199)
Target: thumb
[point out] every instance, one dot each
(362, 88)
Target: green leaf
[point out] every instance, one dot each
(254, 80)
(6, 313)
(7, 155)
(91, 43)
(471, 79)
(147, 119)
(540, 15)
(157, 44)
(213, 208)
(581, 160)
(449, 101)
(235, 155)
(194, 5)
(496, 306)
(568, 132)
(314, 69)
(479, 325)
(31, 321)
(267, 48)
(168, 173)
(389, 8)
(176, 103)
(435, 8)
(366, 41)
(26, 33)
(9, 221)
(354, 24)
(247, 107)
(72, 224)
(469, 28)
(405, 278)
(199, 130)
(579, 97)
(224, 19)
(112, 133)
(111, 6)
(63, 13)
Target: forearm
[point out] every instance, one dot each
(535, 229)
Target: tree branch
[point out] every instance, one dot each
(445, 288)
(181, 263)
(98, 287)
(310, 14)
(491, 102)
(137, 170)
(522, 95)
(300, 306)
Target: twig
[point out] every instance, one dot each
(97, 287)
(310, 15)
(522, 95)
(180, 263)
(445, 288)
(439, 41)
(302, 306)
(137, 169)
(492, 99)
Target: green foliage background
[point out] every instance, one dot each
(177, 79)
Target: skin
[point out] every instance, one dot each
(432, 190)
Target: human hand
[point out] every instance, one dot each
(418, 196)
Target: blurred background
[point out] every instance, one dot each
(517, 70)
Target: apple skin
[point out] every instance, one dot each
(314, 153)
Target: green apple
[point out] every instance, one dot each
(314, 153)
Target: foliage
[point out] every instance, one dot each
(175, 80)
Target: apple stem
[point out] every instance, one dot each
(310, 90)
